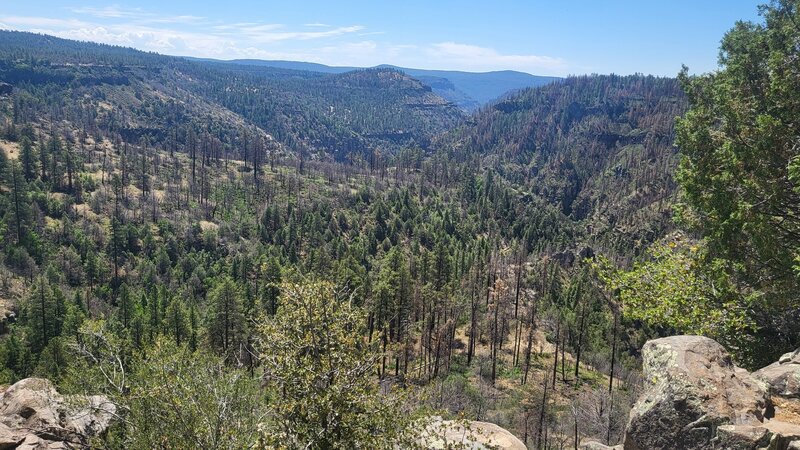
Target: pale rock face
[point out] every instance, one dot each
(473, 435)
(33, 415)
(593, 445)
(696, 398)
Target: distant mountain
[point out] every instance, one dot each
(135, 95)
(467, 90)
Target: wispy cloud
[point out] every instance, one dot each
(178, 35)
(465, 54)
(350, 45)
(135, 14)
(115, 11)
(270, 33)
(27, 21)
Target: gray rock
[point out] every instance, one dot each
(790, 358)
(10, 438)
(743, 437)
(33, 415)
(692, 389)
(474, 435)
(594, 445)
(783, 377)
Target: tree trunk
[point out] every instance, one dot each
(579, 346)
(555, 354)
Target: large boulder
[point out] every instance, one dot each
(692, 389)
(473, 435)
(696, 398)
(33, 415)
(783, 376)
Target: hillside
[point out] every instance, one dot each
(467, 90)
(136, 94)
(599, 147)
(204, 225)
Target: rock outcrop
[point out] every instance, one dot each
(33, 415)
(696, 398)
(783, 376)
(473, 435)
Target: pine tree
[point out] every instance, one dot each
(226, 322)
(27, 158)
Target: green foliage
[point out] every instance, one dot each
(184, 399)
(676, 289)
(739, 167)
(317, 370)
(164, 231)
(225, 320)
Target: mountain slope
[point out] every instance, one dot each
(599, 147)
(467, 90)
(138, 94)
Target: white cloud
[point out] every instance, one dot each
(27, 21)
(114, 11)
(268, 33)
(136, 14)
(490, 59)
(313, 42)
(372, 33)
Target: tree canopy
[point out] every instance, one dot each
(740, 167)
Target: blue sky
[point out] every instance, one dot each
(535, 36)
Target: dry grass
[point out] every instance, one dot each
(786, 410)
(11, 149)
(208, 226)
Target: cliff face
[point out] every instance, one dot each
(696, 398)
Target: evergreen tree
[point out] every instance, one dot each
(740, 170)
(27, 158)
(316, 362)
(225, 320)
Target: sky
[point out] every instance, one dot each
(535, 36)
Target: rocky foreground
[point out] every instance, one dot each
(33, 415)
(696, 398)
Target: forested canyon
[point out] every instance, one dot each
(206, 254)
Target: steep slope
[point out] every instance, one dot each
(134, 94)
(467, 90)
(599, 147)
(342, 114)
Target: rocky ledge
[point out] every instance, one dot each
(696, 398)
(33, 415)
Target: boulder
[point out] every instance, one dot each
(743, 437)
(474, 435)
(594, 445)
(783, 376)
(33, 415)
(692, 388)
